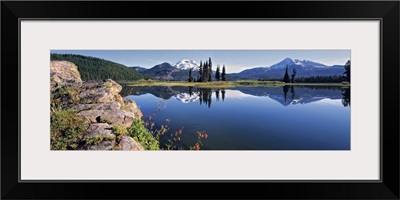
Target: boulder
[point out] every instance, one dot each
(127, 143)
(121, 117)
(97, 106)
(100, 132)
(131, 105)
(63, 72)
(100, 92)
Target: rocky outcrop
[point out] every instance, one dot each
(128, 143)
(99, 137)
(64, 72)
(99, 102)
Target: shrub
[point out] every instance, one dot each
(65, 96)
(66, 128)
(139, 132)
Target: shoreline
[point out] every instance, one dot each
(227, 84)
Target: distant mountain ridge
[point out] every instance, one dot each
(304, 68)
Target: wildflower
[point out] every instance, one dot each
(205, 135)
(180, 131)
(197, 147)
(179, 138)
(199, 133)
(153, 124)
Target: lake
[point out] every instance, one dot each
(249, 118)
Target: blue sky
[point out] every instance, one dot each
(234, 60)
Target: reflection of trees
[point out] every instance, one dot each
(346, 97)
(217, 94)
(285, 90)
(223, 94)
(293, 93)
(205, 95)
(190, 91)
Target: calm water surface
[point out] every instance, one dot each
(251, 118)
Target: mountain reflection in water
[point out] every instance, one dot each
(285, 95)
(250, 118)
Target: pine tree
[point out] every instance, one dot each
(200, 71)
(293, 75)
(223, 75)
(190, 76)
(286, 76)
(347, 72)
(205, 72)
(217, 74)
(209, 73)
(209, 69)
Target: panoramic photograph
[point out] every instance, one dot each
(200, 100)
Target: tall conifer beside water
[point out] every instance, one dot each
(190, 76)
(205, 72)
(223, 75)
(286, 78)
(209, 69)
(217, 74)
(200, 72)
(347, 72)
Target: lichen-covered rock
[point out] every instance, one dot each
(98, 106)
(121, 117)
(63, 72)
(100, 92)
(128, 143)
(131, 105)
(99, 137)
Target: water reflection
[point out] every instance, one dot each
(285, 95)
(346, 97)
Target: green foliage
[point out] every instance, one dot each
(66, 129)
(96, 140)
(139, 132)
(118, 129)
(92, 68)
(65, 96)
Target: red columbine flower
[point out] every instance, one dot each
(180, 131)
(179, 138)
(199, 133)
(205, 135)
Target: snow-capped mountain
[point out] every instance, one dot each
(186, 64)
(296, 63)
(304, 68)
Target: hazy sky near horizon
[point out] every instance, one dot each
(234, 60)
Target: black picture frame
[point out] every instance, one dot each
(386, 11)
